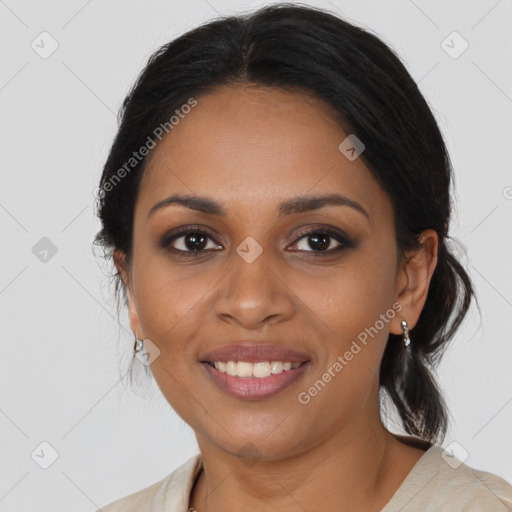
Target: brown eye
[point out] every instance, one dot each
(322, 241)
(193, 241)
(189, 240)
(319, 241)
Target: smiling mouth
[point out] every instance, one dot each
(255, 381)
(261, 369)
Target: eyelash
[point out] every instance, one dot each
(339, 237)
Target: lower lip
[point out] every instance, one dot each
(254, 387)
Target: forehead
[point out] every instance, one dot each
(250, 145)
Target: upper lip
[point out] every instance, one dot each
(251, 352)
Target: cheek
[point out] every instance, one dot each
(349, 297)
(353, 308)
(171, 311)
(171, 298)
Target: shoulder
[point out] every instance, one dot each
(441, 482)
(170, 493)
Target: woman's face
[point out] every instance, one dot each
(257, 275)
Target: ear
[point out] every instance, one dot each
(122, 267)
(413, 280)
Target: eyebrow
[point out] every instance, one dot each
(295, 205)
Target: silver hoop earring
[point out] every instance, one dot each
(407, 340)
(137, 346)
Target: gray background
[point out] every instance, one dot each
(63, 353)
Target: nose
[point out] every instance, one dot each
(254, 293)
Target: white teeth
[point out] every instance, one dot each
(260, 370)
(276, 366)
(231, 368)
(243, 369)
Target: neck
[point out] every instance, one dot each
(359, 468)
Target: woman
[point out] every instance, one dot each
(277, 204)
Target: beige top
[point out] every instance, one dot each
(433, 484)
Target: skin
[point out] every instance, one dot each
(250, 148)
